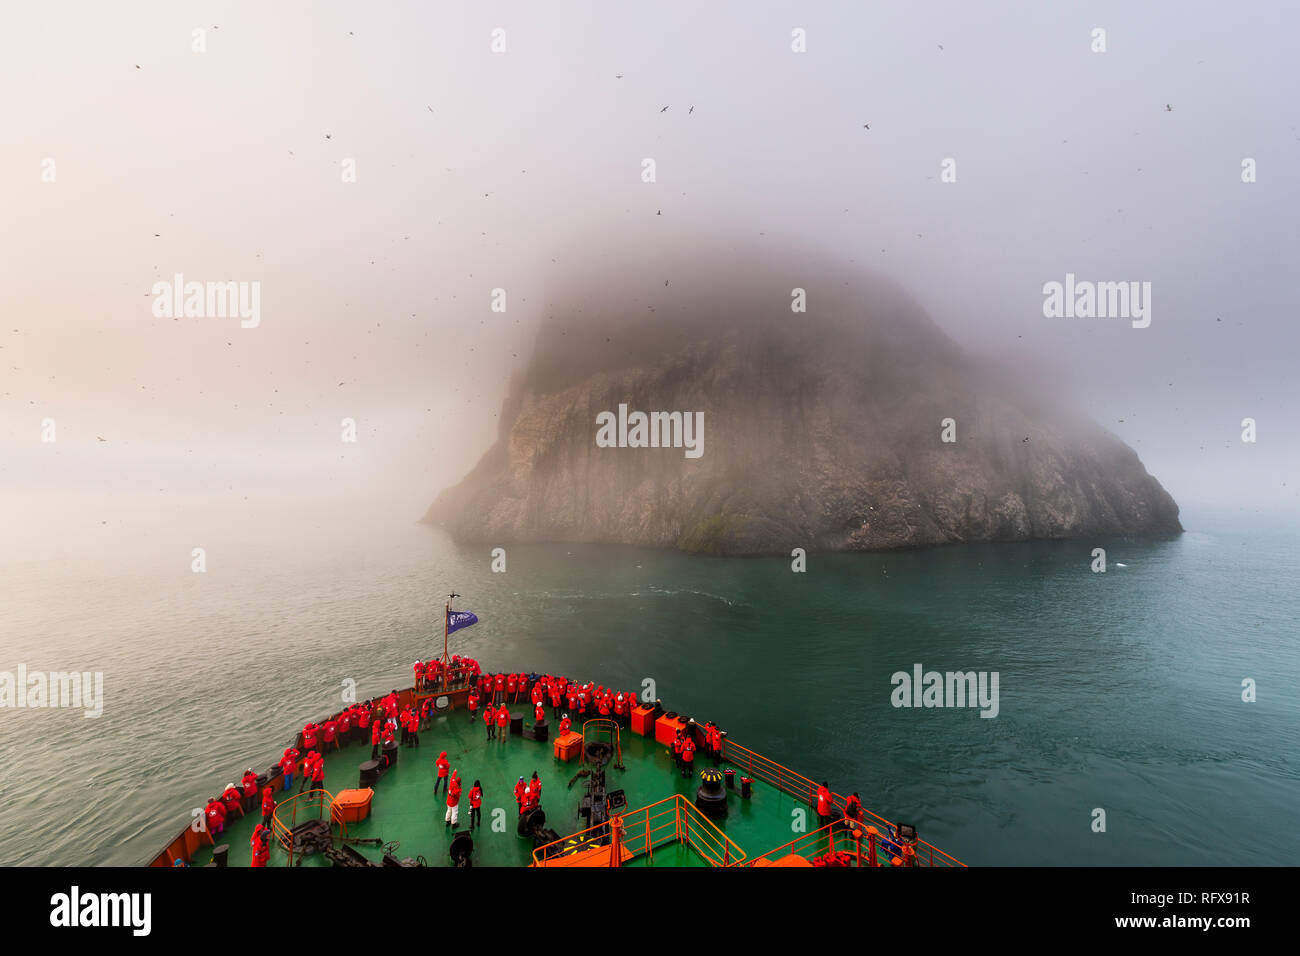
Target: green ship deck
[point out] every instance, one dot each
(405, 809)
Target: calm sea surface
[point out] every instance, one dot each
(1120, 691)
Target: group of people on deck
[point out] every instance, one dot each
(383, 719)
(434, 675)
(684, 746)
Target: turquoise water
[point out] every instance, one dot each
(1119, 691)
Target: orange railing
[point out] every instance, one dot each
(671, 820)
(804, 790)
(282, 832)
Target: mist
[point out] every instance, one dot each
(475, 171)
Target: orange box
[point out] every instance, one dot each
(351, 806)
(568, 745)
(666, 728)
(643, 721)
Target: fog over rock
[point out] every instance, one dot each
(821, 430)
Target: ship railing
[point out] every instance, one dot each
(865, 848)
(284, 833)
(603, 728)
(671, 820)
(795, 784)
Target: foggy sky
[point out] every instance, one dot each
(475, 170)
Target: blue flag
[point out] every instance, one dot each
(458, 619)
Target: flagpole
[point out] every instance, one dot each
(446, 616)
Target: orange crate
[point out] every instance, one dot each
(643, 721)
(666, 729)
(351, 806)
(568, 746)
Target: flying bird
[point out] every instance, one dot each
(327, 135)
(618, 76)
(665, 109)
(101, 439)
(690, 111)
(1168, 108)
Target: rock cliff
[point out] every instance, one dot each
(821, 430)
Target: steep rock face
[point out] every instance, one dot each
(820, 430)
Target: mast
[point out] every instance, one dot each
(446, 618)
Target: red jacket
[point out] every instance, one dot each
(261, 848)
(503, 716)
(824, 802)
(250, 784)
(565, 724)
(268, 801)
(853, 808)
(488, 716)
(216, 814)
(444, 765)
(375, 731)
(476, 796)
(453, 792)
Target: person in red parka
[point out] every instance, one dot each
(565, 725)
(376, 731)
(364, 713)
(232, 800)
(503, 722)
(539, 712)
(412, 730)
(444, 768)
(268, 805)
(215, 818)
(453, 800)
(318, 774)
(288, 764)
(556, 699)
(520, 789)
(248, 798)
(853, 810)
(490, 720)
(476, 805)
(688, 754)
(824, 803)
(261, 844)
(329, 734)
